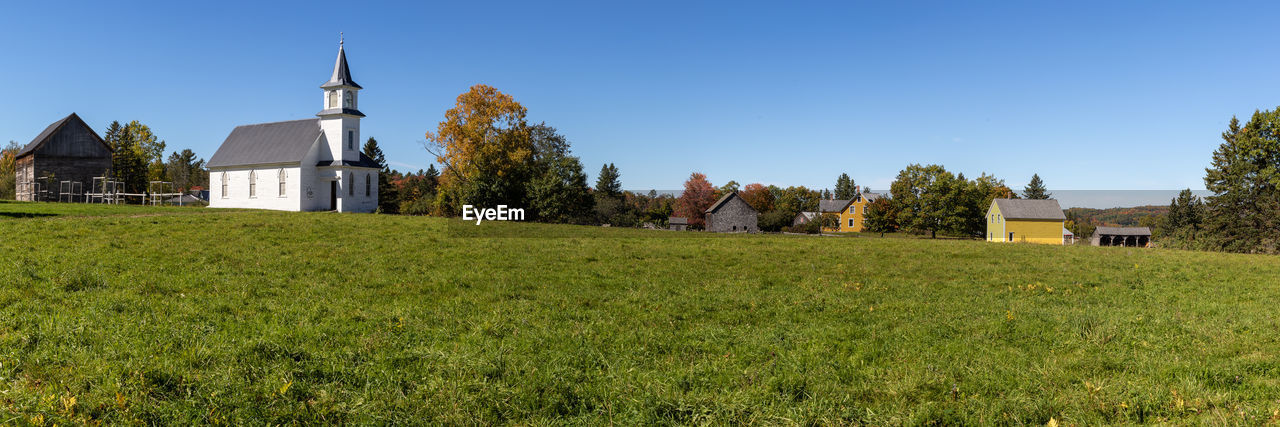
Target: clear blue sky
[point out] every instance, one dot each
(1103, 95)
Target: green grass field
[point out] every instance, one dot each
(194, 316)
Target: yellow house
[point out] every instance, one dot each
(1025, 221)
(850, 213)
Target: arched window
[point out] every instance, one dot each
(351, 184)
(283, 179)
(367, 178)
(224, 185)
(346, 99)
(253, 184)
(333, 99)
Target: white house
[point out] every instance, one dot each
(300, 165)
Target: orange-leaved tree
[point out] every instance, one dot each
(758, 196)
(485, 147)
(697, 197)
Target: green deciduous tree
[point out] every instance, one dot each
(881, 216)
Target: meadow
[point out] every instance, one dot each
(137, 315)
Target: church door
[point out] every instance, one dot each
(333, 195)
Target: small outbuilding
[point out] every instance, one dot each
(803, 218)
(731, 214)
(61, 162)
(678, 223)
(1121, 236)
(1068, 238)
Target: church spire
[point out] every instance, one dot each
(341, 74)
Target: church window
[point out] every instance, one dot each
(351, 184)
(351, 140)
(346, 98)
(224, 185)
(253, 184)
(283, 179)
(367, 178)
(333, 99)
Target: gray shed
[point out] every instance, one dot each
(732, 214)
(1121, 236)
(678, 223)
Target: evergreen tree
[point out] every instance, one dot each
(845, 188)
(1035, 189)
(560, 194)
(1245, 180)
(388, 196)
(608, 183)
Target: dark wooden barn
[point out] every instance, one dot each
(63, 159)
(732, 214)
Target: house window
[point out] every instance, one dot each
(253, 184)
(351, 140)
(283, 180)
(851, 222)
(367, 178)
(351, 187)
(224, 185)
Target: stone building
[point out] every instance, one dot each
(61, 161)
(732, 214)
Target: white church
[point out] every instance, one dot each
(300, 165)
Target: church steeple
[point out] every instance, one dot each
(341, 74)
(340, 118)
(340, 92)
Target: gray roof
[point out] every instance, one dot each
(871, 197)
(1066, 232)
(1030, 209)
(341, 74)
(278, 142)
(52, 129)
(347, 111)
(1123, 231)
(725, 199)
(832, 205)
(678, 220)
(364, 162)
(807, 215)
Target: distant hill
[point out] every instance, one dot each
(1125, 217)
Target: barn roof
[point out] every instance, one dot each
(52, 129)
(725, 199)
(278, 142)
(341, 73)
(832, 205)
(1030, 209)
(1123, 231)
